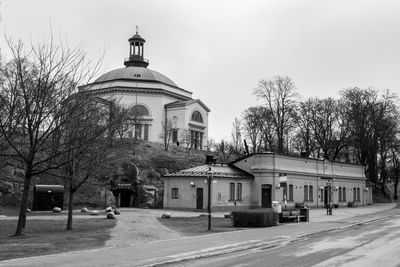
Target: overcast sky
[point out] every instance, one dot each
(219, 50)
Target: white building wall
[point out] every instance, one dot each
(300, 172)
(220, 197)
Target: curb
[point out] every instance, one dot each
(263, 244)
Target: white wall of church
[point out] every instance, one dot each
(155, 105)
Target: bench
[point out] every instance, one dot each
(290, 215)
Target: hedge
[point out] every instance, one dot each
(254, 218)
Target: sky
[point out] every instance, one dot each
(221, 49)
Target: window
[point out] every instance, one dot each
(310, 193)
(138, 111)
(196, 116)
(354, 195)
(290, 192)
(321, 192)
(305, 193)
(146, 132)
(358, 195)
(344, 194)
(232, 191)
(138, 131)
(175, 193)
(239, 191)
(340, 194)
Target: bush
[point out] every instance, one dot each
(254, 218)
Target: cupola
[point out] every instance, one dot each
(136, 52)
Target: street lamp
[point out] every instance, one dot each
(210, 174)
(330, 200)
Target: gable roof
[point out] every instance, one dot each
(187, 103)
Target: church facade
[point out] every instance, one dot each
(159, 107)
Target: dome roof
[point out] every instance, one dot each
(134, 74)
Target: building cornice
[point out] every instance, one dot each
(139, 90)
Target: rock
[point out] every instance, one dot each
(56, 210)
(166, 216)
(28, 210)
(94, 212)
(108, 209)
(110, 215)
(84, 209)
(117, 212)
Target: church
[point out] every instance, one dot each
(159, 107)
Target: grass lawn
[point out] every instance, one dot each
(191, 226)
(49, 236)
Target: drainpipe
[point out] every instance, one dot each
(165, 128)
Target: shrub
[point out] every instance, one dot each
(254, 218)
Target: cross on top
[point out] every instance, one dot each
(137, 29)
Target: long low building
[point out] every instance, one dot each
(257, 180)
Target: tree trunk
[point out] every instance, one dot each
(70, 207)
(24, 204)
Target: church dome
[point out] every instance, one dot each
(132, 73)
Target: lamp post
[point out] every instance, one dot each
(330, 196)
(210, 174)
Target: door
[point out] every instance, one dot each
(266, 196)
(199, 198)
(125, 198)
(326, 196)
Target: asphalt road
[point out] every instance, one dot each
(371, 244)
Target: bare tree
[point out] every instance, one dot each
(35, 84)
(303, 138)
(253, 127)
(366, 111)
(394, 169)
(236, 134)
(225, 151)
(166, 134)
(280, 96)
(82, 142)
(330, 127)
(186, 139)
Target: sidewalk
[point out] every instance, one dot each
(178, 249)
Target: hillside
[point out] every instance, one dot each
(151, 160)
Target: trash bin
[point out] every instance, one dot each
(306, 213)
(276, 206)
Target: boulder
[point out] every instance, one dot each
(94, 212)
(56, 210)
(110, 215)
(84, 210)
(108, 209)
(166, 216)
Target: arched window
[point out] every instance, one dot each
(196, 116)
(139, 110)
